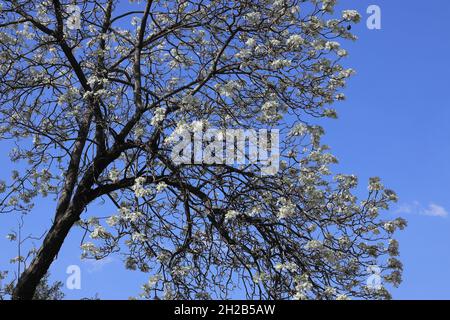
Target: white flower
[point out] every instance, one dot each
(260, 277)
(347, 73)
(313, 244)
(128, 215)
(351, 15)
(302, 287)
(179, 59)
(74, 20)
(342, 297)
(260, 49)
(139, 189)
(295, 41)
(164, 256)
(340, 97)
(342, 52)
(393, 247)
(113, 220)
(231, 214)
(135, 21)
(280, 63)
(190, 101)
(375, 184)
(36, 139)
(279, 266)
(300, 296)
(328, 5)
(130, 263)
(138, 237)
(99, 232)
(181, 130)
(158, 116)
(330, 113)
(395, 264)
(299, 130)
(253, 17)
(391, 195)
(286, 210)
(250, 42)
(230, 88)
(153, 280)
(138, 132)
(92, 221)
(274, 42)
(124, 211)
(11, 237)
(88, 247)
(254, 211)
(197, 125)
(114, 175)
(161, 186)
(312, 227)
(270, 108)
(13, 201)
(330, 291)
(92, 81)
(332, 45)
(17, 259)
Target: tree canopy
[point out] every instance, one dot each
(93, 94)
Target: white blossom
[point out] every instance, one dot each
(99, 232)
(286, 210)
(113, 220)
(351, 15)
(314, 245)
(153, 280)
(250, 42)
(11, 237)
(161, 186)
(393, 247)
(139, 189)
(139, 237)
(299, 130)
(253, 17)
(280, 63)
(231, 214)
(114, 175)
(158, 116)
(190, 102)
(295, 41)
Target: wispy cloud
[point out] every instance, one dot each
(432, 210)
(435, 211)
(97, 265)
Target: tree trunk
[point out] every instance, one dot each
(67, 213)
(53, 241)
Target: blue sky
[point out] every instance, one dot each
(394, 124)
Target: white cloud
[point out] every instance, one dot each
(432, 210)
(435, 211)
(97, 265)
(404, 208)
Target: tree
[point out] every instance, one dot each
(44, 290)
(98, 91)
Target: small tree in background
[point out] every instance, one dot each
(44, 290)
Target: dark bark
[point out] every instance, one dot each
(64, 220)
(53, 241)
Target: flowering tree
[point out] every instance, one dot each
(93, 94)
